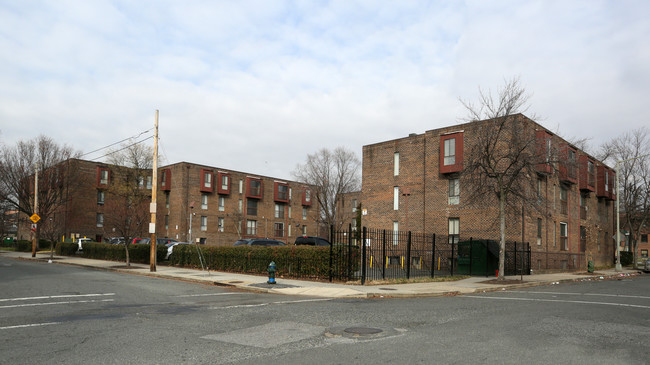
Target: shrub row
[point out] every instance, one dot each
(627, 258)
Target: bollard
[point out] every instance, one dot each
(272, 270)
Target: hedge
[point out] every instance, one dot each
(627, 258)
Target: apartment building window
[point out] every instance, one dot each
(279, 229)
(101, 196)
(583, 206)
(450, 151)
(554, 234)
(304, 230)
(167, 199)
(644, 254)
(395, 233)
(306, 198)
(100, 219)
(163, 179)
(289, 215)
(149, 182)
(606, 181)
(396, 164)
(289, 230)
(454, 230)
(583, 239)
(396, 198)
(281, 192)
(241, 186)
(254, 188)
(354, 205)
(220, 224)
(539, 231)
(240, 205)
(139, 182)
(564, 203)
(167, 221)
(591, 172)
(539, 190)
(251, 207)
(204, 201)
(225, 182)
(644, 238)
(564, 236)
(207, 179)
(279, 211)
(454, 192)
(251, 227)
(222, 203)
(103, 176)
(304, 213)
(204, 223)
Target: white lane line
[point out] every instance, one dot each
(208, 295)
(56, 297)
(55, 303)
(269, 303)
(29, 325)
(587, 294)
(559, 301)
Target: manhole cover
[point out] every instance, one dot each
(362, 330)
(387, 289)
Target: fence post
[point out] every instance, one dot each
(529, 258)
(451, 268)
(363, 257)
(349, 270)
(408, 256)
(331, 249)
(487, 258)
(433, 256)
(383, 255)
(470, 255)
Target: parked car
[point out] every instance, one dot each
(171, 245)
(116, 241)
(646, 267)
(81, 241)
(159, 241)
(258, 242)
(312, 241)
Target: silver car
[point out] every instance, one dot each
(646, 267)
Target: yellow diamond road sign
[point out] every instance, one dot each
(35, 218)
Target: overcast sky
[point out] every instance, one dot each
(255, 86)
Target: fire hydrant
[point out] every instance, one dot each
(272, 270)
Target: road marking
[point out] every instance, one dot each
(559, 301)
(207, 295)
(55, 303)
(56, 297)
(587, 294)
(29, 325)
(269, 303)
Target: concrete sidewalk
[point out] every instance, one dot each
(324, 289)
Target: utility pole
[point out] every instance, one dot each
(35, 234)
(154, 191)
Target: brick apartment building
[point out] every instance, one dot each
(226, 205)
(414, 183)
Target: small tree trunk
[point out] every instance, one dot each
(502, 239)
(126, 247)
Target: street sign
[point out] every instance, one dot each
(35, 218)
(34, 225)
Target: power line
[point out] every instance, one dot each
(113, 144)
(123, 148)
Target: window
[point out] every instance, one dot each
(163, 179)
(583, 206)
(103, 176)
(454, 230)
(167, 199)
(606, 181)
(101, 195)
(289, 230)
(204, 201)
(304, 230)
(204, 223)
(240, 205)
(396, 198)
(100, 220)
(644, 254)
(279, 211)
(140, 182)
(583, 239)
(167, 221)
(279, 229)
(564, 236)
(251, 207)
(281, 192)
(591, 171)
(564, 204)
(207, 179)
(289, 215)
(254, 188)
(222, 203)
(225, 182)
(354, 205)
(395, 233)
(241, 186)
(251, 227)
(554, 234)
(149, 182)
(539, 231)
(306, 198)
(289, 193)
(539, 190)
(396, 164)
(454, 191)
(304, 213)
(644, 238)
(220, 224)
(450, 151)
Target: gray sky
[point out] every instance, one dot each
(255, 86)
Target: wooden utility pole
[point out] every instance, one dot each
(35, 234)
(154, 191)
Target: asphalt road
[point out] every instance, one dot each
(58, 314)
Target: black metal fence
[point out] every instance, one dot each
(372, 254)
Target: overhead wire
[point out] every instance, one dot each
(113, 144)
(122, 149)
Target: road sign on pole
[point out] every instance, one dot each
(35, 218)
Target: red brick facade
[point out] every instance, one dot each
(418, 195)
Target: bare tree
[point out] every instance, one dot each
(332, 173)
(632, 151)
(128, 193)
(501, 164)
(17, 173)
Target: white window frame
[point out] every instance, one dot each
(454, 192)
(100, 219)
(220, 224)
(222, 203)
(395, 233)
(224, 182)
(304, 214)
(395, 197)
(207, 179)
(241, 186)
(204, 201)
(396, 164)
(454, 230)
(204, 223)
(450, 151)
(101, 197)
(251, 227)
